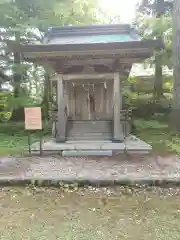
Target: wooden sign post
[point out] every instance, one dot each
(33, 122)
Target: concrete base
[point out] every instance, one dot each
(117, 141)
(94, 148)
(88, 153)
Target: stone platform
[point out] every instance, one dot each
(132, 144)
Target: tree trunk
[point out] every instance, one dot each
(176, 64)
(17, 62)
(158, 84)
(46, 98)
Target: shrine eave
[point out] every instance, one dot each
(139, 49)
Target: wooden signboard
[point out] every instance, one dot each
(33, 118)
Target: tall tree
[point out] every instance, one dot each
(154, 20)
(176, 65)
(158, 84)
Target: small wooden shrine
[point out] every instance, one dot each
(90, 64)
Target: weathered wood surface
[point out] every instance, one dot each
(61, 123)
(118, 133)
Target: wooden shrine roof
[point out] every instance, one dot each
(94, 40)
(103, 47)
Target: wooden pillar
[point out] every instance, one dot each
(73, 101)
(88, 105)
(61, 122)
(118, 133)
(102, 102)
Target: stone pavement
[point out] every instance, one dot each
(120, 169)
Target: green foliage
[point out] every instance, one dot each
(5, 116)
(145, 106)
(168, 86)
(12, 128)
(154, 21)
(151, 27)
(132, 79)
(24, 21)
(5, 109)
(156, 6)
(21, 101)
(158, 135)
(145, 84)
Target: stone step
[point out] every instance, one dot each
(89, 121)
(84, 153)
(89, 126)
(89, 138)
(98, 135)
(89, 130)
(90, 135)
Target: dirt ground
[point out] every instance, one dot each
(89, 213)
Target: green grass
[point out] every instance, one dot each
(13, 138)
(99, 214)
(158, 135)
(14, 145)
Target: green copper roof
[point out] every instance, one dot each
(109, 38)
(91, 34)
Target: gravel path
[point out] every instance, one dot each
(102, 170)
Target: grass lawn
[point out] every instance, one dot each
(89, 214)
(158, 135)
(13, 138)
(12, 145)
